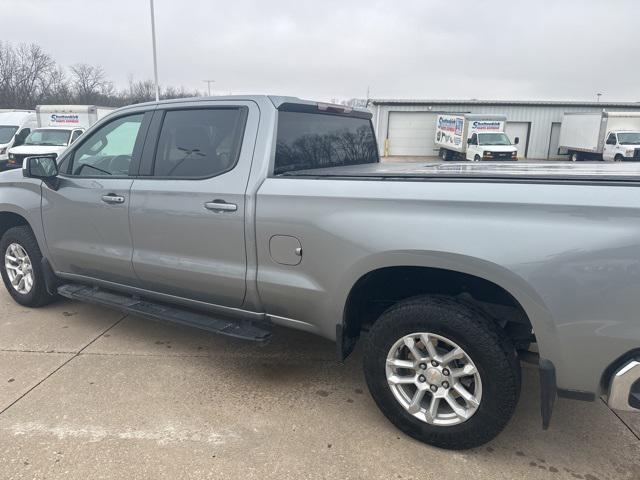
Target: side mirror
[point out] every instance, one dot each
(516, 140)
(43, 168)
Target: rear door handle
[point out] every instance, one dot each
(221, 206)
(113, 199)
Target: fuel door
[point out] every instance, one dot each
(285, 250)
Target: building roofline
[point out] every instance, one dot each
(557, 103)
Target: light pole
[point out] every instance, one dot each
(155, 58)
(598, 95)
(209, 82)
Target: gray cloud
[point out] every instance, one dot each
(327, 49)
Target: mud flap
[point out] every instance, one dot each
(548, 390)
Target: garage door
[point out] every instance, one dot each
(519, 130)
(412, 133)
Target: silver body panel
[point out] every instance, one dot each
(564, 242)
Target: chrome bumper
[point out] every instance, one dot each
(624, 389)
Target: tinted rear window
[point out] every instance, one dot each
(313, 140)
(199, 143)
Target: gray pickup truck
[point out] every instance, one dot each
(236, 213)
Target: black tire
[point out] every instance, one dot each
(477, 158)
(575, 156)
(485, 343)
(38, 295)
(618, 158)
(444, 154)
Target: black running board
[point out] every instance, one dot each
(245, 330)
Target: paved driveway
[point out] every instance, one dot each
(87, 393)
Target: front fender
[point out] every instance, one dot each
(23, 196)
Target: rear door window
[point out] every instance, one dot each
(315, 140)
(199, 143)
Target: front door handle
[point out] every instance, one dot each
(113, 199)
(220, 206)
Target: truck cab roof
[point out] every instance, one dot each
(278, 101)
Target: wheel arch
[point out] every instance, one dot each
(11, 219)
(393, 277)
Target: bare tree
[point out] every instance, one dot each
(23, 72)
(57, 90)
(28, 76)
(89, 83)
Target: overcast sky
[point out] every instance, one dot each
(325, 49)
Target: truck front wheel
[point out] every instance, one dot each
(22, 270)
(442, 372)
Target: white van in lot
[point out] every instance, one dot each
(474, 137)
(58, 127)
(15, 126)
(43, 141)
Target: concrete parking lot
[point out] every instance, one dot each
(87, 393)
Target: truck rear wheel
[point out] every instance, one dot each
(575, 157)
(442, 372)
(444, 154)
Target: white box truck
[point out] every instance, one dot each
(15, 126)
(608, 136)
(473, 137)
(58, 127)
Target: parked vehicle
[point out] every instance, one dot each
(235, 213)
(474, 137)
(608, 136)
(15, 125)
(43, 141)
(73, 116)
(60, 126)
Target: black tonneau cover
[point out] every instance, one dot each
(514, 171)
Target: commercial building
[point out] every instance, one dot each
(407, 127)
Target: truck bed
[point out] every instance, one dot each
(485, 171)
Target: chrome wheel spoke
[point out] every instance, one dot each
(466, 395)
(454, 354)
(432, 412)
(410, 343)
(399, 363)
(458, 409)
(428, 344)
(467, 370)
(416, 401)
(398, 380)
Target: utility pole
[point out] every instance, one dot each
(209, 82)
(155, 58)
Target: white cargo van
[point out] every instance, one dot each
(59, 126)
(474, 137)
(609, 136)
(15, 125)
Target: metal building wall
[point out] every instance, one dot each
(539, 115)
